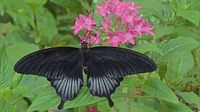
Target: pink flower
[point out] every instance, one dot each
(91, 39)
(122, 9)
(88, 21)
(83, 22)
(142, 26)
(95, 39)
(78, 26)
(103, 9)
(138, 27)
(106, 9)
(128, 19)
(132, 6)
(128, 36)
(148, 28)
(115, 38)
(105, 25)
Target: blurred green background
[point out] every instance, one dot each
(30, 25)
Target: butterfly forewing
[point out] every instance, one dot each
(53, 63)
(117, 62)
(67, 88)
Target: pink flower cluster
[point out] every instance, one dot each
(121, 24)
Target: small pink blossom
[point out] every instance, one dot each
(88, 21)
(105, 25)
(148, 28)
(132, 6)
(78, 26)
(128, 36)
(123, 9)
(138, 27)
(83, 22)
(106, 9)
(115, 38)
(103, 9)
(129, 18)
(142, 26)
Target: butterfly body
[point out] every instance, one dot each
(104, 66)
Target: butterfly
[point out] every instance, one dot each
(104, 66)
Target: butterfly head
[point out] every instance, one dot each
(84, 45)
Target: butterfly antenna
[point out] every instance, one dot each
(88, 34)
(97, 38)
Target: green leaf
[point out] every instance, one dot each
(63, 3)
(16, 100)
(84, 98)
(190, 97)
(163, 30)
(14, 42)
(186, 31)
(50, 100)
(158, 89)
(191, 15)
(72, 5)
(143, 48)
(45, 100)
(31, 86)
(149, 8)
(129, 104)
(177, 56)
(20, 12)
(5, 106)
(177, 68)
(6, 72)
(46, 26)
(193, 3)
(183, 108)
(138, 105)
(175, 48)
(35, 3)
(171, 107)
(24, 91)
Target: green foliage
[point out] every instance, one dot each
(29, 25)
(6, 72)
(156, 88)
(190, 97)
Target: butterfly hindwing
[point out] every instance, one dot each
(103, 86)
(52, 63)
(67, 88)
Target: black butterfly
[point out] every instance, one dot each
(105, 68)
